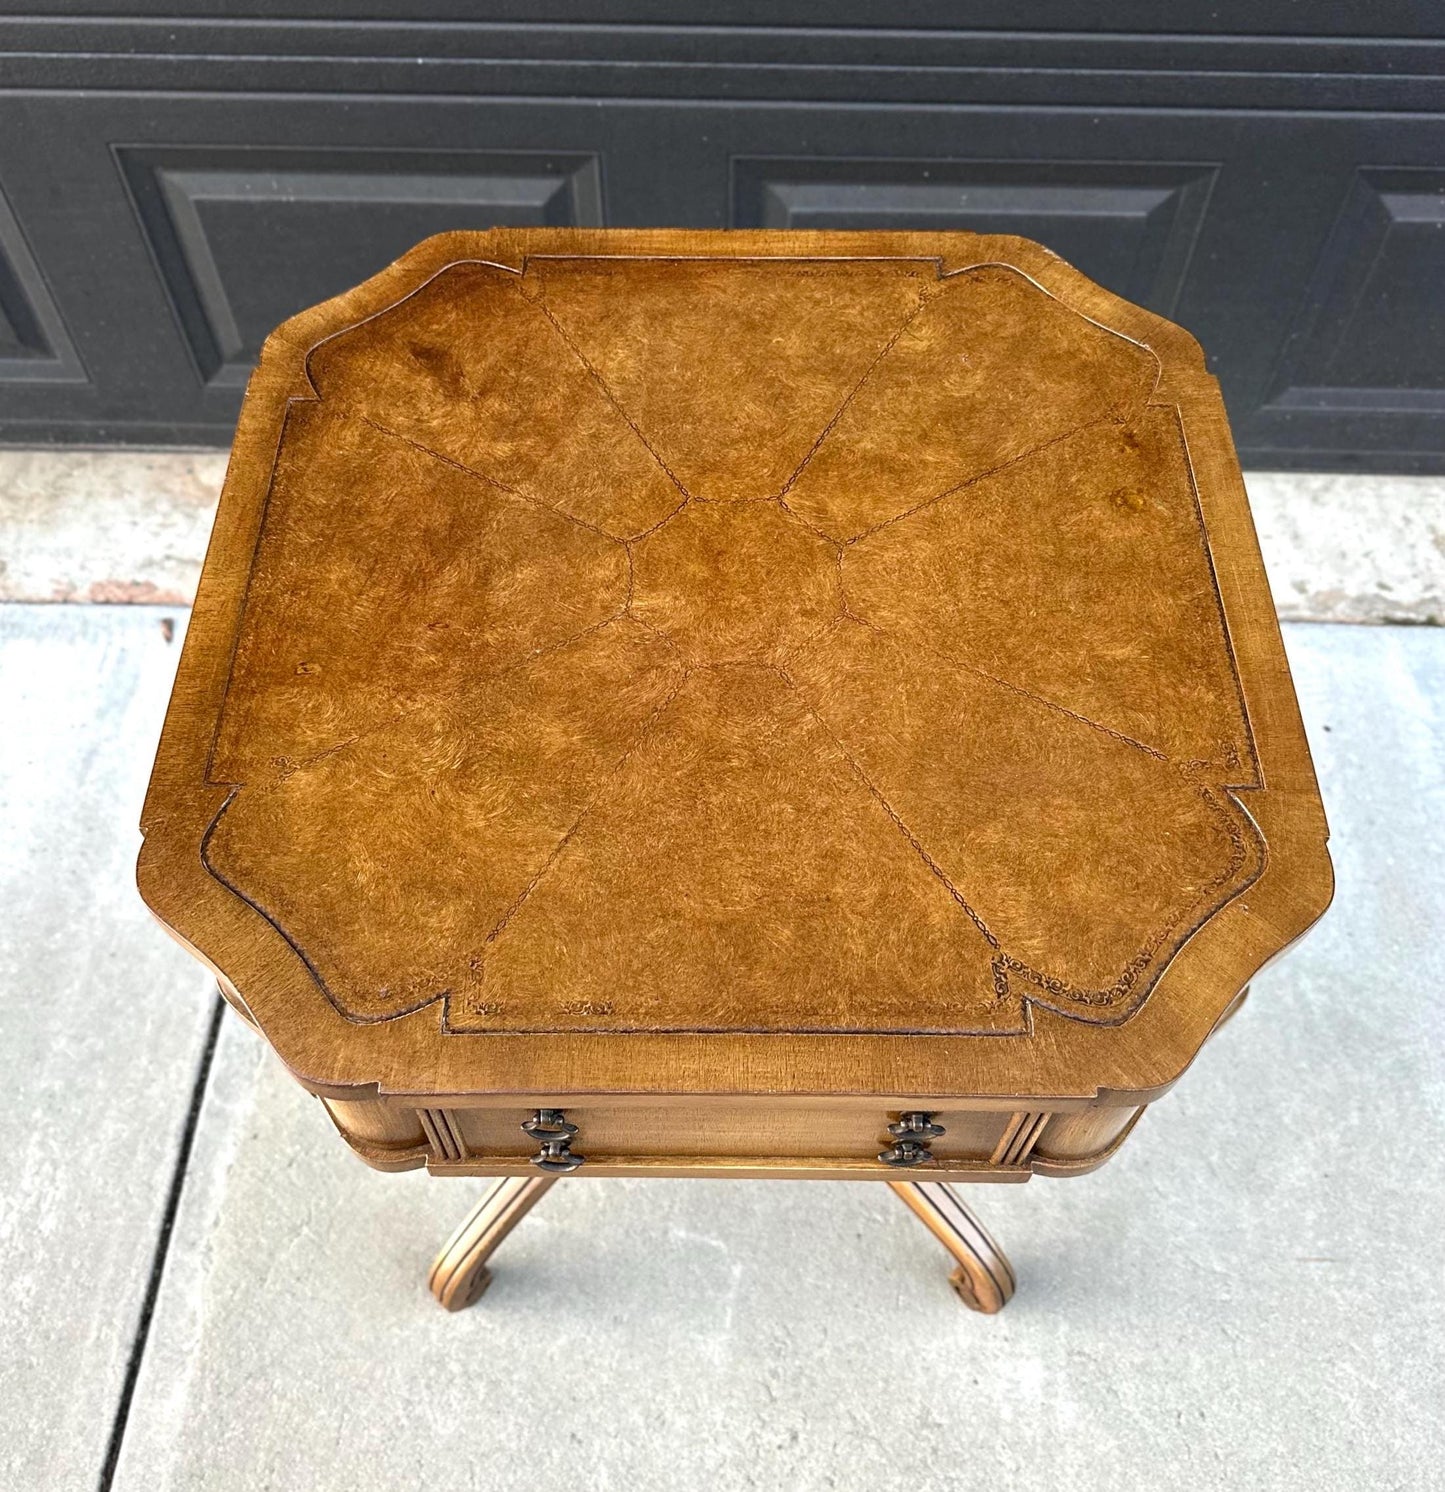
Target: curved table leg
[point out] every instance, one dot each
(460, 1273)
(984, 1278)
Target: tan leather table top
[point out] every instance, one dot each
(702, 662)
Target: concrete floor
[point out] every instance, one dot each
(204, 1289)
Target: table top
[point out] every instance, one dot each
(734, 662)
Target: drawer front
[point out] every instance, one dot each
(760, 1137)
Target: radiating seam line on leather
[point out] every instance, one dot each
(427, 450)
(1013, 688)
(892, 813)
(667, 517)
(657, 632)
(1062, 988)
(481, 476)
(294, 942)
(1122, 988)
(803, 523)
(609, 395)
(644, 731)
(786, 655)
(968, 482)
(304, 763)
(923, 299)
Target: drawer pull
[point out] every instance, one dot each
(551, 1129)
(912, 1134)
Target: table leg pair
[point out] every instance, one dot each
(984, 1279)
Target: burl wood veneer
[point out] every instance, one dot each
(735, 689)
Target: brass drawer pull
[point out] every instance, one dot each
(550, 1127)
(913, 1134)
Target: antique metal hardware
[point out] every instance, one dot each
(913, 1134)
(551, 1129)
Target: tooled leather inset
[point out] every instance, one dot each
(716, 645)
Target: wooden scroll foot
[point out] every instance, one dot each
(460, 1273)
(984, 1278)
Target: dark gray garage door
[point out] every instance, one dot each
(171, 187)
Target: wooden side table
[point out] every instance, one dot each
(734, 704)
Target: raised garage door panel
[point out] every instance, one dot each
(34, 345)
(1364, 365)
(245, 238)
(1130, 225)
